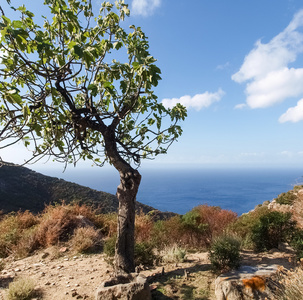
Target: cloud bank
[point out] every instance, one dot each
(196, 102)
(266, 72)
(144, 7)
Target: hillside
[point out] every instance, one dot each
(24, 189)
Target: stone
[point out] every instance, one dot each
(247, 283)
(128, 287)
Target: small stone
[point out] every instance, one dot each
(74, 294)
(47, 283)
(42, 274)
(63, 249)
(66, 259)
(77, 284)
(75, 257)
(70, 277)
(45, 255)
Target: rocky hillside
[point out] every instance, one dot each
(24, 189)
(291, 201)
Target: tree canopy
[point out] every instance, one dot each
(68, 81)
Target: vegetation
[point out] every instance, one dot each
(287, 198)
(21, 289)
(291, 285)
(224, 253)
(271, 229)
(83, 229)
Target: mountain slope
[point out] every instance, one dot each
(24, 189)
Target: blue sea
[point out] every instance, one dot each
(239, 190)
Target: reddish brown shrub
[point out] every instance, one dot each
(167, 232)
(26, 219)
(57, 223)
(143, 228)
(216, 218)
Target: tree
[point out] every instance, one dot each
(65, 94)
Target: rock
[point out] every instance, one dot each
(129, 287)
(44, 255)
(247, 283)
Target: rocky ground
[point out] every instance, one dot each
(60, 275)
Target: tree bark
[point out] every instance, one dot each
(126, 194)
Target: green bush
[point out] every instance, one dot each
(286, 198)
(272, 228)
(243, 226)
(143, 251)
(297, 243)
(224, 253)
(109, 246)
(144, 254)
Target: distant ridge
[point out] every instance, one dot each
(24, 189)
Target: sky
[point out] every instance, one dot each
(238, 68)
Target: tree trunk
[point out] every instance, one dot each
(126, 194)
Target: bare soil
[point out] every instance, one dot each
(61, 275)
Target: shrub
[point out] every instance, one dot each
(194, 230)
(144, 254)
(85, 239)
(21, 289)
(9, 234)
(109, 246)
(286, 198)
(107, 223)
(143, 228)
(297, 242)
(224, 253)
(272, 228)
(173, 254)
(58, 223)
(214, 219)
(167, 232)
(243, 226)
(143, 251)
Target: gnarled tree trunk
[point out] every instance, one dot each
(126, 193)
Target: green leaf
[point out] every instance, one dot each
(94, 88)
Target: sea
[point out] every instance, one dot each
(180, 190)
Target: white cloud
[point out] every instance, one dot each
(265, 69)
(224, 66)
(293, 114)
(240, 106)
(196, 102)
(144, 7)
(286, 153)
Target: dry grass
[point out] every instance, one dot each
(143, 228)
(85, 239)
(292, 285)
(21, 289)
(173, 254)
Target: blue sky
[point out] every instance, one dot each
(237, 66)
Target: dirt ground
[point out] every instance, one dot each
(61, 275)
